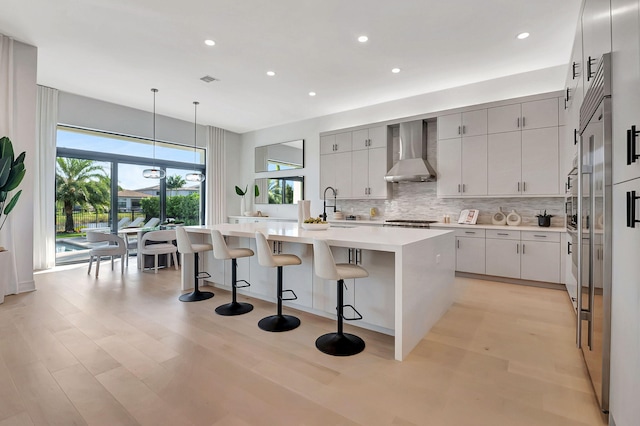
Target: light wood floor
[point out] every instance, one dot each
(114, 350)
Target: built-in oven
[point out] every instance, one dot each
(571, 198)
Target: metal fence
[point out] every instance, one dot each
(90, 219)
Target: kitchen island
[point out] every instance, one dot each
(410, 283)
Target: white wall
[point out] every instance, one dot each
(541, 81)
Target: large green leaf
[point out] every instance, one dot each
(20, 158)
(256, 191)
(12, 203)
(6, 148)
(15, 177)
(240, 192)
(3, 196)
(5, 170)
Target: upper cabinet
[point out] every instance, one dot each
(596, 35)
(525, 116)
(373, 137)
(340, 142)
(472, 123)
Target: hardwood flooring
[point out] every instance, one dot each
(124, 351)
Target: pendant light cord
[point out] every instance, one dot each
(154, 126)
(195, 131)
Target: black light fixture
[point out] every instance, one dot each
(195, 176)
(154, 172)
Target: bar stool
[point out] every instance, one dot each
(340, 343)
(221, 251)
(276, 322)
(185, 246)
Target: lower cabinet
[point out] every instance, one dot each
(540, 257)
(470, 251)
(503, 253)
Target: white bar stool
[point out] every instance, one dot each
(276, 322)
(221, 251)
(185, 246)
(340, 343)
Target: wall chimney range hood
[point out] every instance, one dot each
(412, 165)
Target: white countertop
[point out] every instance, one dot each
(365, 237)
(501, 227)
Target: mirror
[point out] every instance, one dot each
(280, 190)
(280, 156)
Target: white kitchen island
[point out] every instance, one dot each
(410, 283)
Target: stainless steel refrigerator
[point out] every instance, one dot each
(593, 328)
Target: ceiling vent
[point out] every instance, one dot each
(208, 79)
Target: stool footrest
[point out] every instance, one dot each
(357, 315)
(203, 275)
(288, 298)
(246, 284)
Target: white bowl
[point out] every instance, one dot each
(315, 226)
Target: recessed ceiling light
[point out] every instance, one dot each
(363, 39)
(395, 70)
(210, 42)
(312, 93)
(271, 73)
(522, 36)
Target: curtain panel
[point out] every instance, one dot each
(216, 207)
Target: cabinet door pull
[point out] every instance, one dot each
(567, 96)
(458, 187)
(569, 247)
(540, 236)
(503, 233)
(518, 122)
(463, 187)
(469, 232)
(458, 243)
(574, 74)
(575, 136)
(522, 248)
(524, 186)
(517, 248)
(632, 134)
(631, 209)
(518, 186)
(523, 118)
(464, 129)
(459, 130)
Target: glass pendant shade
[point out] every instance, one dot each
(154, 172)
(195, 176)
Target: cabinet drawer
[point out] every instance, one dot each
(540, 236)
(503, 235)
(472, 233)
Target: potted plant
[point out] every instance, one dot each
(11, 173)
(242, 193)
(544, 219)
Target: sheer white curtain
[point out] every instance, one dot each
(8, 276)
(216, 207)
(44, 250)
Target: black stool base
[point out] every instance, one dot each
(234, 308)
(279, 323)
(196, 296)
(344, 344)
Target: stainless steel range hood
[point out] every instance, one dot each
(412, 165)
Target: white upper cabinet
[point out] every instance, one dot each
(528, 115)
(625, 97)
(472, 123)
(340, 142)
(373, 137)
(596, 35)
(504, 163)
(540, 166)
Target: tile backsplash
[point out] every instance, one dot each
(418, 200)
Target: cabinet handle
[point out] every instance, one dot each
(518, 122)
(458, 187)
(631, 209)
(565, 104)
(463, 187)
(524, 186)
(569, 247)
(567, 97)
(523, 118)
(464, 129)
(575, 136)
(568, 183)
(632, 133)
(518, 186)
(358, 256)
(590, 74)
(469, 232)
(517, 248)
(574, 74)
(522, 248)
(540, 236)
(458, 243)
(503, 233)
(459, 130)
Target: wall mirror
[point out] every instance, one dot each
(280, 190)
(280, 156)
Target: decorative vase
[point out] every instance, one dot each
(544, 221)
(242, 206)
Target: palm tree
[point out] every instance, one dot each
(175, 182)
(80, 182)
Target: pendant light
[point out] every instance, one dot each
(154, 172)
(195, 176)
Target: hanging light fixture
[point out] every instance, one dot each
(195, 176)
(154, 172)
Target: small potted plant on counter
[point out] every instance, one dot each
(544, 219)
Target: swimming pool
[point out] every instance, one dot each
(63, 246)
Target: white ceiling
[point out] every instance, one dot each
(117, 50)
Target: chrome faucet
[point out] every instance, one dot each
(324, 202)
